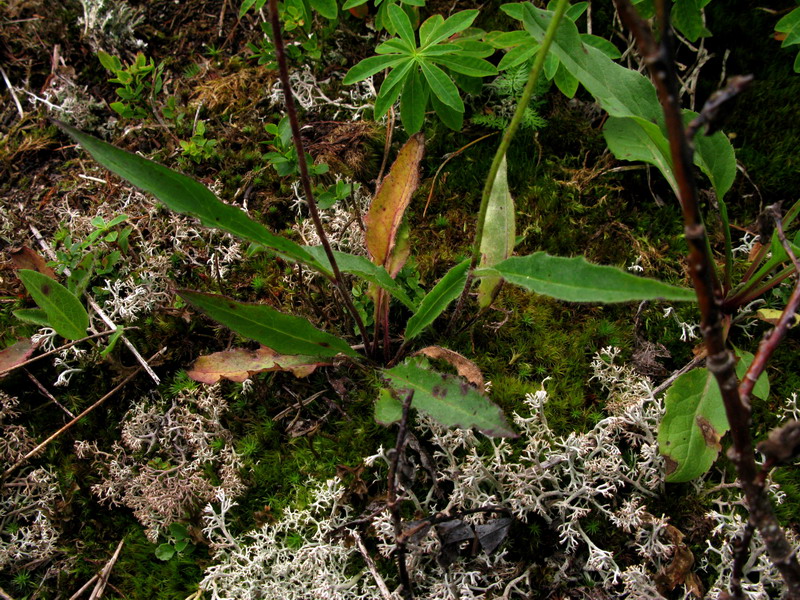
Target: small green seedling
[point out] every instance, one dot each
(178, 543)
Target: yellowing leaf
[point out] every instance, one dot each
(394, 194)
(240, 364)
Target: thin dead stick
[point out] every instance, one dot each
(96, 308)
(84, 587)
(447, 159)
(13, 93)
(4, 595)
(57, 350)
(48, 395)
(74, 421)
(386, 146)
(695, 362)
(371, 566)
(104, 574)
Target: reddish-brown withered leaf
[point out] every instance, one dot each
(240, 364)
(27, 258)
(386, 211)
(15, 354)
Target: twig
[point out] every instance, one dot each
(4, 595)
(386, 146)
(84, 587)
(392, 502)
(103, 577)
(13, 94)
(695, 362)
(96, 308)
(57, 350)
(48, 395)
(720, 362)
(74, 421)
(291, 111)
(447, 159)
(387, 595)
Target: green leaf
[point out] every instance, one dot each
(692, 426)
(576, 280)
(64, 310)
(428, 29)
(392, 46)
(370, 66)
(602, 44)
(178, 531)
(621, 92)
(442, 86)
(165, 552)
(352, 4)
(448, 399)
(402, 25)
(458, 22)
(790, 25)
(388, 409)
(566, 82)
(449, 116)
(413, 103)
(362, 267)
(687, 17)
(438, 299)
(716, 158)
(761, 388)
(327, 8)
(391, 87)
(466, 65)
(637, 139)
(285, 334)
(187, 196)
(517, 56)
(498, 233)
(32, 315)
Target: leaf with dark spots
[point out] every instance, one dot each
(65, 313)
(447, 400)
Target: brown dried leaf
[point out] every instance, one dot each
(27, 258)
(679, 570)
(394, 194)
(710, 434)
(465, 367)
(16, 354)
(240, 364)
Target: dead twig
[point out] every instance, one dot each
(97, 593)
(387, 595)
(393, 503)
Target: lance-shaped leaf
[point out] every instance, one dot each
(64, 310)
(438, 299)
(240, 364)
(448, 399)
(576, 280)
(692, 426)
(187, 196)
(465, 367)
(363, 268)
(285, 334)
(498, 233)
(32, 315)
(394, 194)
(638, 139)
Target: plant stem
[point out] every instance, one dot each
(660, 63)
(505, 142)
(291, 111)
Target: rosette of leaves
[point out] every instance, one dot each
(428, 72)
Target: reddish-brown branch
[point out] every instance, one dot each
(305, 179)
(659, 61)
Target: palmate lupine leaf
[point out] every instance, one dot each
(428, 73)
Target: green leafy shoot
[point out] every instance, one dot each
(425, 72)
